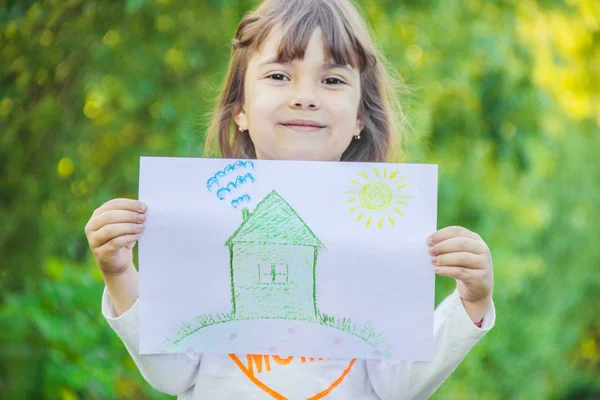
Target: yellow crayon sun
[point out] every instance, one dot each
(377, 199)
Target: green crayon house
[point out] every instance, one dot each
(273, 258)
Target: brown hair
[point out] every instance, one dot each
(347, 41)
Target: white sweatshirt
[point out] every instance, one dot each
(216, 377)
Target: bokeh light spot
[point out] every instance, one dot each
(111, 38)
(66, 167)
(414, 53)
(92, 109)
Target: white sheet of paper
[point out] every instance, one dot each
(319, 259)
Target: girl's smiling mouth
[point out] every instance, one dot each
(303, 125)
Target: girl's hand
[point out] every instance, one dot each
(112, 231)
(463, 255)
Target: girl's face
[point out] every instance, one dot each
(302, 110)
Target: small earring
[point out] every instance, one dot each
(240, 129)
(357, 137)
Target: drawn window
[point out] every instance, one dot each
(265, 273)
(272, 273)
(280, 273)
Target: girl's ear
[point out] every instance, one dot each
(241, 119)
(359, 127)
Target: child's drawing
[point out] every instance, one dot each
(273, 257)
(226, 186)
(291, 258)
(377, 198)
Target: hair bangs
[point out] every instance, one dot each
(299, 21)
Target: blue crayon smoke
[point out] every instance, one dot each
(239, 181)
(214, 180)
(218, 179)
(236, 202)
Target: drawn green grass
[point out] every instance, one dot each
(201, 321)
(365, 331)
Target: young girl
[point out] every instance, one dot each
(305, 82)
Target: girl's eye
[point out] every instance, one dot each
(333, 81)
(278, 77)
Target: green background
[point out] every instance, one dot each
(504, 96)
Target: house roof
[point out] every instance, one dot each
(274, 221)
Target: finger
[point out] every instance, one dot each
(114, 217)
(121, 204)
(459, 244)
(460, 273)
(461, 259)
(117, 243)
(109, 232)
(450, 232)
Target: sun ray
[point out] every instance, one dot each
(355, 182)
(393, 174)
(401, 186)
(398, 211)
(350, 192)
(369, 222)
(400, 179)
(353, 209)
(364, 175)
(385, 174)
(380, 223)
(392, 222)
(400, 202)
(377, 173)
(360, 216)
(350, 200)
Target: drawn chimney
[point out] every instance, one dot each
(245, 214)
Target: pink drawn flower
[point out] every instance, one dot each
(272, 349)
(189, 350)
(337, 340)
(291, 331)
(233, 336)
(376, 353)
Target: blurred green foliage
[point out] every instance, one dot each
(505, 97)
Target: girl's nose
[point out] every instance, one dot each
(309, 106)
(305, 100)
